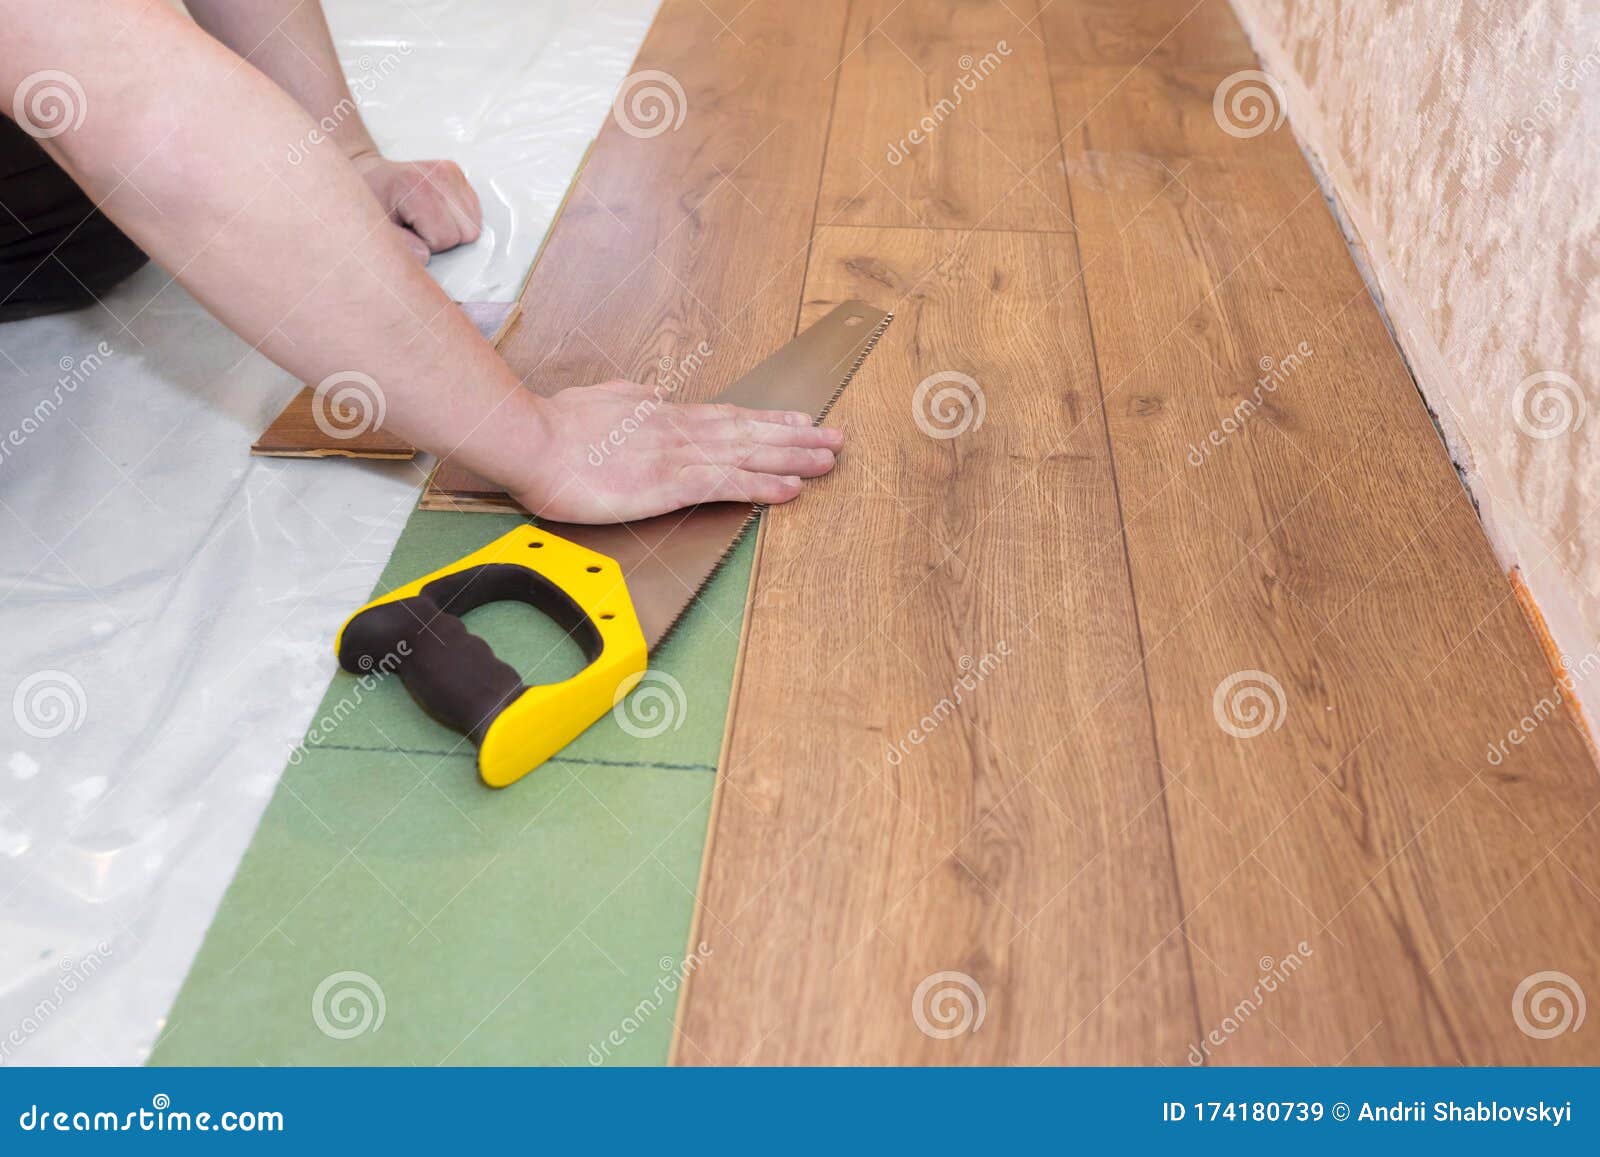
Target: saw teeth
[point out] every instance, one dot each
(866, 348)
(755, 514)
(722, 559)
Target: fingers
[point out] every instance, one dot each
(704, 424)
(720, 484)
(751, 470)
(441, 206)
(719, 411)
(432, 218)
(462, 195)
(807, 462)
(417, 246)
(758, 433)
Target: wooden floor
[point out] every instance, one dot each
(1127, 695)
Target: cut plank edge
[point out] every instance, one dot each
(1554, 660)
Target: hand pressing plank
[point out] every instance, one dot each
(215, 171)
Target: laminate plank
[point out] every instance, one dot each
(1130, 32)
(679, 255)
(944, 120)
(297, 432)
(873, 832)
(1171, 114)
(1297, 536)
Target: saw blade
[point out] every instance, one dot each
(667, 560)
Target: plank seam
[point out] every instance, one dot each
(962, 229)
(1127, 559)
(675, 1048)
(822, 170)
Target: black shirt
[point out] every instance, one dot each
(57, 251)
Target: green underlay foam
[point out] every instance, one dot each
(540, 924)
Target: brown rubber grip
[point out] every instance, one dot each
(453, 674)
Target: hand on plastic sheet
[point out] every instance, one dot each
(431, 202)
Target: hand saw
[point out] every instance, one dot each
(616, 590)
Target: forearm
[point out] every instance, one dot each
(193, 152)
(297, 258)
(288, 40)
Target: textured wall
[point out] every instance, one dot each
(1462, 140)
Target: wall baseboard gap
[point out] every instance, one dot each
(1504, 535)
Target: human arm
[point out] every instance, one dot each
(185, 147)
(288, 40)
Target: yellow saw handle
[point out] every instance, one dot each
(416, 631)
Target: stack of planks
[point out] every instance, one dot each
(1131, 692)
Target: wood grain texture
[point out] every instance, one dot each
(952, 616)
(1130, 32)
(1382, 826)
(1309, 573)
(693, 238)
(944, 120)
(296, 433)
(1169, 114)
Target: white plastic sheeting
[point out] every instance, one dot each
(167, 602)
